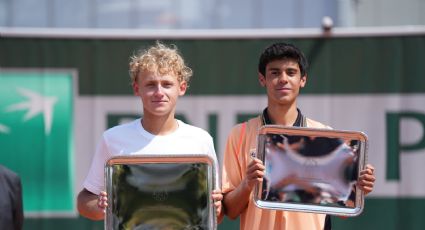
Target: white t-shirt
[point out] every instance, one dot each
(133, 139)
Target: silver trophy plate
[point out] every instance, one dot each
(311, 170)
(160, 192)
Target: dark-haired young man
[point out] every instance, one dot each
(283, 72)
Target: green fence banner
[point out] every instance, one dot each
(58, 94)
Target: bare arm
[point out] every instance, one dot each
(237, 200)
(89, 206)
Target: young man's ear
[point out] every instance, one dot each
(303, 81)
(135, 87)
(182, 87)
(262, 79)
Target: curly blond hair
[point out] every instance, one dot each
(160, 59)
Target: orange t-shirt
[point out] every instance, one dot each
(236, 159)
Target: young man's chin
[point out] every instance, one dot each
(283, 100)
(159, 112)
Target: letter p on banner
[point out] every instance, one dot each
(394, 144)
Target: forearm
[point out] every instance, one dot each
(87, 206)
(236, 201)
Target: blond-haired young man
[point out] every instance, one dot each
(159, 77)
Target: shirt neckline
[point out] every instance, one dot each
(149, 135)
(267, 121)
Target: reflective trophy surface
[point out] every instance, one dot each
(311, 170)
(160, 192)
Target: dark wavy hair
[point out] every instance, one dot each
(280, 51)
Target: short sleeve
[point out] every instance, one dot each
(232, 173)
(212, 153)
(95, 180)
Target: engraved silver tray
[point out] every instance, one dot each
(311, 170)
(160, 192)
